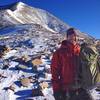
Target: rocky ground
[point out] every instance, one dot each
(25, 77)
(28, 77)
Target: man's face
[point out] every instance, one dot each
(72, 38)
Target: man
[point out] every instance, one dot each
(64, 66)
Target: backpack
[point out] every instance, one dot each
(89, 65)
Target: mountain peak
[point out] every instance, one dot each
(18, 5)
(21, 13)
(12, 6)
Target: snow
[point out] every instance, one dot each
(11, 14)
(4, 95)
(13, 64)
(20, 5)
(48, 76)
(11, 95)
(47, 93)
(13, 77)
(8, 81)
(50, 29)
(9, 54)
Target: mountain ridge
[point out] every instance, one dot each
(38, 16)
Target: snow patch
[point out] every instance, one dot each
(14, 16)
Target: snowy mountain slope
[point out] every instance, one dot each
(25, 14)
(31, 38)
(20, 13)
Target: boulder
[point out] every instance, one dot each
(25, 82)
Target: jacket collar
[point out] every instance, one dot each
(71, 47)
(67, 44)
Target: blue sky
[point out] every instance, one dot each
(81, 14)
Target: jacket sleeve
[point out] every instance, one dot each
(55, 68)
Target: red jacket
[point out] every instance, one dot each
(64, 65)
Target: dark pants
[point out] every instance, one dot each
(72, 95)
(61, 95)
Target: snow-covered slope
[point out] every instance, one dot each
(31, 38)
(24, 14)
(19, 13)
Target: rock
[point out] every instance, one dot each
(12, 88)
(37, 62)
(48, 70)
(44, 85)
(37, 92)
(22, 67)
(25, 82)
(25, 58)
